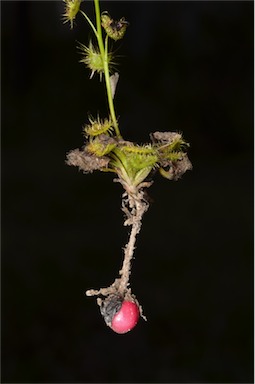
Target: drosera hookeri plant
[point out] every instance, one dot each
(132, 164)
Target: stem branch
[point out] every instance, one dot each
(90, 23)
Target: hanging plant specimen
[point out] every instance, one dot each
(133, 165)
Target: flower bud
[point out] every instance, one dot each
(71, 10)
(92, 58)
(115, 29)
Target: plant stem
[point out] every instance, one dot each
(128, 255)
(109, 90)
(99, 28)
(134, 206)
(104, 55)
(90, 23)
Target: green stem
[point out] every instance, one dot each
(104, 55)
(109, 89)
(99, 28)
(90, 23)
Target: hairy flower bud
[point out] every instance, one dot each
(71, 10)
(115, 29)
(93, 59)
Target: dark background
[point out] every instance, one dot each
(184, 66)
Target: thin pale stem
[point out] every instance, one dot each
(135, 212)
(128, 255)
(134, 206)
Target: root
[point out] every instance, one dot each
(134, 205)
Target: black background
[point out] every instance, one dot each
(184, 66)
